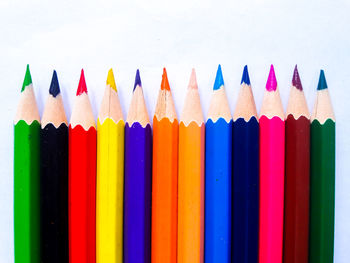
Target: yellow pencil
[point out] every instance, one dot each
(110, 177)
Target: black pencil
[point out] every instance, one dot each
(54, 179)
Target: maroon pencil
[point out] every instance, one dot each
(297, 177)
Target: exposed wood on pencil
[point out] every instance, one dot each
(164, 179)
(245, 107)
(54, 178)
(191, 179)
(26, 185)
(192, 110)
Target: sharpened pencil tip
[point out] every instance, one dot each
(245, 76)
(271, 84)
(137, 80)
(193, 80)
(296, 82)
(110, 80)
(54, 87)
(219, 80)
(165, 83)
(27, 79)
(322, 83)
(82, 84)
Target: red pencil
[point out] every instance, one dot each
(82, 179)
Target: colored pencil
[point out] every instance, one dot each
(164, 177)
(54, 178)
(191, 178)
(322, 187)
(245, 176)
(82, 179)
(297, 177)
(138, 179)
(271, 174)
(218, 176)
(26, 176)
(110, 176)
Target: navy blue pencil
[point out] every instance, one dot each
(218, 176)
(245, 176)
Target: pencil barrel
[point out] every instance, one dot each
(218, 190)
(297, 190)
(110, 191)
(191, 193)
(26, 192)
(164, 190)
(54, 193)
(137, 206)
(245, 221)
(271, 190)
(82, 194)
(322, 192)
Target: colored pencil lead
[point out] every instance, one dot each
(110, 80)
(165, 83)
(245, 76)
(137, 80)
(82, 84)
(296, 79)
(27, 79)
(219, 80)
(193, 80)
(271, 84)
(322, 83)
(54, 87)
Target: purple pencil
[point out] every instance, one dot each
(138, 176)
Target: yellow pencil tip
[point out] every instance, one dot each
(110, 80)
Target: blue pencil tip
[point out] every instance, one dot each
(219, 80)
(245, 76)
(54, 87)
(322, 83)
(137, 80)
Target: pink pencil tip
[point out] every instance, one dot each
(82, 84)
(271, 84)
(193, 80)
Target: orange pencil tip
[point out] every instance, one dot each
(165, 83)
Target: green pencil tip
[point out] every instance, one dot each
(322, 83)
(27, 79)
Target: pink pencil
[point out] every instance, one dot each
(271, 174)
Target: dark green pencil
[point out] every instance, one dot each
(322, 181)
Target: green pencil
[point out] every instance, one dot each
(26, 176)
(322, 181)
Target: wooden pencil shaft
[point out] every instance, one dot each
(271, 190)
(322, 192)
(164, 190)
(191, 193)
(26, 192)
(245, 220)
(218, 190)
(82, 194)
(110, 191)
(54, 193)
(297, 190)
(137, 198)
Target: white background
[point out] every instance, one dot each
(69, 35)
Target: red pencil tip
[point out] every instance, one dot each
(165, 82)
(82, 84)
(271, 84)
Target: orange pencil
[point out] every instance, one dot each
(191, 178)
(164, 189)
